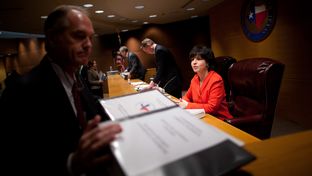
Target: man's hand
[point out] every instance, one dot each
(94, 139)
(152, 85)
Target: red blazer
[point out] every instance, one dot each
(210, 96)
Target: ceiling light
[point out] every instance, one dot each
(99, 11)
(134, 21)
(44, 17)
(145, 22)
(153, 16)
(139, 7)
(190, 9)
(124, 30)
(88, 5)
(110, 16)
(194, 16)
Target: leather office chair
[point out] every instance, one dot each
(222, 66)
(254, 85)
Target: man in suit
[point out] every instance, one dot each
(135, 67)
(51, 130)
(94, 80)
(167, 73)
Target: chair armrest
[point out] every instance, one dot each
(244, 120)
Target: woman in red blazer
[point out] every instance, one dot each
(207, 89)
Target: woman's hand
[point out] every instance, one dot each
(182, 103)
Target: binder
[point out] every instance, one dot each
(160, 138)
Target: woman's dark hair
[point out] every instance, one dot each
(205, 53)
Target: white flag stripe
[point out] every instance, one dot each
(260, 8)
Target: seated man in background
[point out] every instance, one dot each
(207, 89)
(135, 67)
(120, 62)
(94, 80)
(53, 120)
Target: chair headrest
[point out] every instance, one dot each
(254, 77)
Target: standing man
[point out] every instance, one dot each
(167, 73)
(135, 67)
(53, 119)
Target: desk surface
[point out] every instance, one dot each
(117, 86)
(285, 155)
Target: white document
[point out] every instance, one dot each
(138, 83)
(156, 131)
(141, 87)
(199, 113)
(156, 139)
(135, 104)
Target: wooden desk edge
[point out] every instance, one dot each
(239, 134)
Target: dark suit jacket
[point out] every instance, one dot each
(41, 128)
(135, 67)
(167, 72)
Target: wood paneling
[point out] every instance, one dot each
(289, 42)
